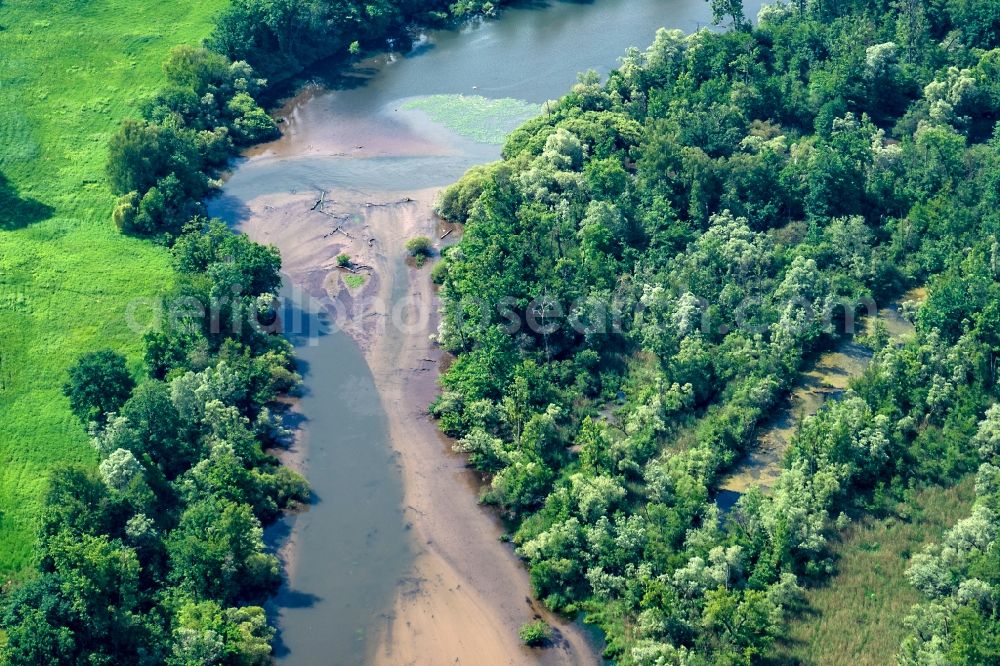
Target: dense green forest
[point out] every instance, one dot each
(645, 273)
(639, 283)
(280, 38)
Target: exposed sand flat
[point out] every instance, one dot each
(468, 593)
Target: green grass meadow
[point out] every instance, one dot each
(856, 618)
(69, 72)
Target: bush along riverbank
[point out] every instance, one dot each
(280, 40)
(158, 556)
(645, 273)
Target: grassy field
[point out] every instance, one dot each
(857, 618)
(69, 72)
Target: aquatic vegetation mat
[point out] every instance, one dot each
(475, 117)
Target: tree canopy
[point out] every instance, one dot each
(645, 273)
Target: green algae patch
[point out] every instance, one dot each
(354, 281)
(474, 117)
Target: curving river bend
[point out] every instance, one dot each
(395, 562)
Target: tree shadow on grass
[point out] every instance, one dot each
(17, 212)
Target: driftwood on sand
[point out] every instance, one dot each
(336, 216)
(358, 268)
(339, 229)
(369, 204)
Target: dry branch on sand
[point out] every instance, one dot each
(358, 268)
(319, 202)
(336, 216)
(369, 204)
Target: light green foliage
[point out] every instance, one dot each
(535, 633)
(988, 435)
(474, 117)
(71, 73)
(205, 632)
(354, 281)
(485, 451)
(595, 496)
(120, 469)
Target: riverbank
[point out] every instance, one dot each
(355, 172)
(467, 594)
(470, 593)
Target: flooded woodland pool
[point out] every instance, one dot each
(395, 562)
(826, 378)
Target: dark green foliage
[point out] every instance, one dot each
(153, 428)
(167, 539)
(455, 201)
(279, 38)
(420, 246)
(99, 383)
(216, 552)
(643, 276)
(141, 153)
(978, 20)
(161, 165)
(732, 9)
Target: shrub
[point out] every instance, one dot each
(440, 272)
(420, 246)
(343, 260)
(455, 201)
(535, 633)
(140, 153)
